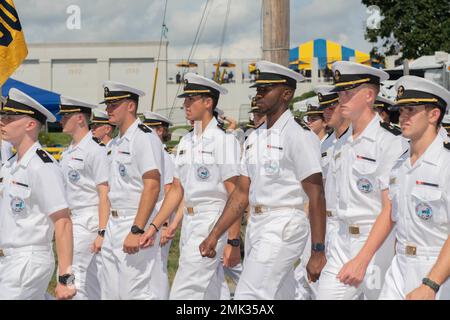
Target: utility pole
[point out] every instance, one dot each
(276, 16)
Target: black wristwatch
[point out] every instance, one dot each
(66, 279)
(101, 232)
(318, 247)
(234, 242)
(430, 283)
(136, 230)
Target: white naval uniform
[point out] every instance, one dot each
(444, 134)
(304, 289)
(127, 276)
(5, 151)
(31, 190)
(420, 197)
(361, 170)
(203, 163)
(276, 160)
(85, 166)
(160, 277)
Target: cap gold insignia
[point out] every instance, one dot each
(319, 95)
(257, 73)
(337, 75)
(106, 91)
(400, 91)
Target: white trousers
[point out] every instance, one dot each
(406, 273)
(125, 276)
(274, 242)
(25, 273)
(344, 247)
(86, 265)
(159, 280)
(197, 277)
(304, 289)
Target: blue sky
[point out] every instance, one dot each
(342, 21)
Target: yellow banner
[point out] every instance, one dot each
(13, 48)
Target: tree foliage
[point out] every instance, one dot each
(412, 27)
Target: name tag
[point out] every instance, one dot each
(274, 147)
(324, 154)
(19, 184)
(418, 182)
(366, 158)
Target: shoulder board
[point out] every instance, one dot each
(447, 145)
(108, 153)
(221, 128)
(302, 123)
(12, 156)
(166, 149)
(329, 135)
(389, 127)
(192, 129)
(260, 125)
(144, 128)
(98, 141)
(44, 156)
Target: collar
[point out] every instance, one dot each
(130, 131)
(209, 130)
(281, 122)
(82, 144)
(431, 155)
(370, 131)
(31, 152)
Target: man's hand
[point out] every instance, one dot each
(63, 292)
(131, 244)
(96, 246)
(208, 247)
(231, 256)
(315, 265)
(421, 293)
(148, 238)
(167, 234)
(353, 272)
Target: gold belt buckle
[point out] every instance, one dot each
(2, 254)
(329, 214)
(114, 213)
(411, 250)
(190, 210)
(258, 210)
(353, 230)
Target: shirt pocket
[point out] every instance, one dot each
(364, 172)
(19, 200)
(75, 169)
(428, 205)
(123, 165)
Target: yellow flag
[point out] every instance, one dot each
(13, 48)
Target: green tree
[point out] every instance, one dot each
(412, 27)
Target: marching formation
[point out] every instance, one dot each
(342, 204)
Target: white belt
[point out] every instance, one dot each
(13, 251)
(413, 250)
(202, 208)
(354, 229)
(257, 210)
(115, 213)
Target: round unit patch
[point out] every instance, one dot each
(74, 175)
(364, 185)
(17, 205)
(424, 211)
(203, 173)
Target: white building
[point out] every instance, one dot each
(78, 70)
